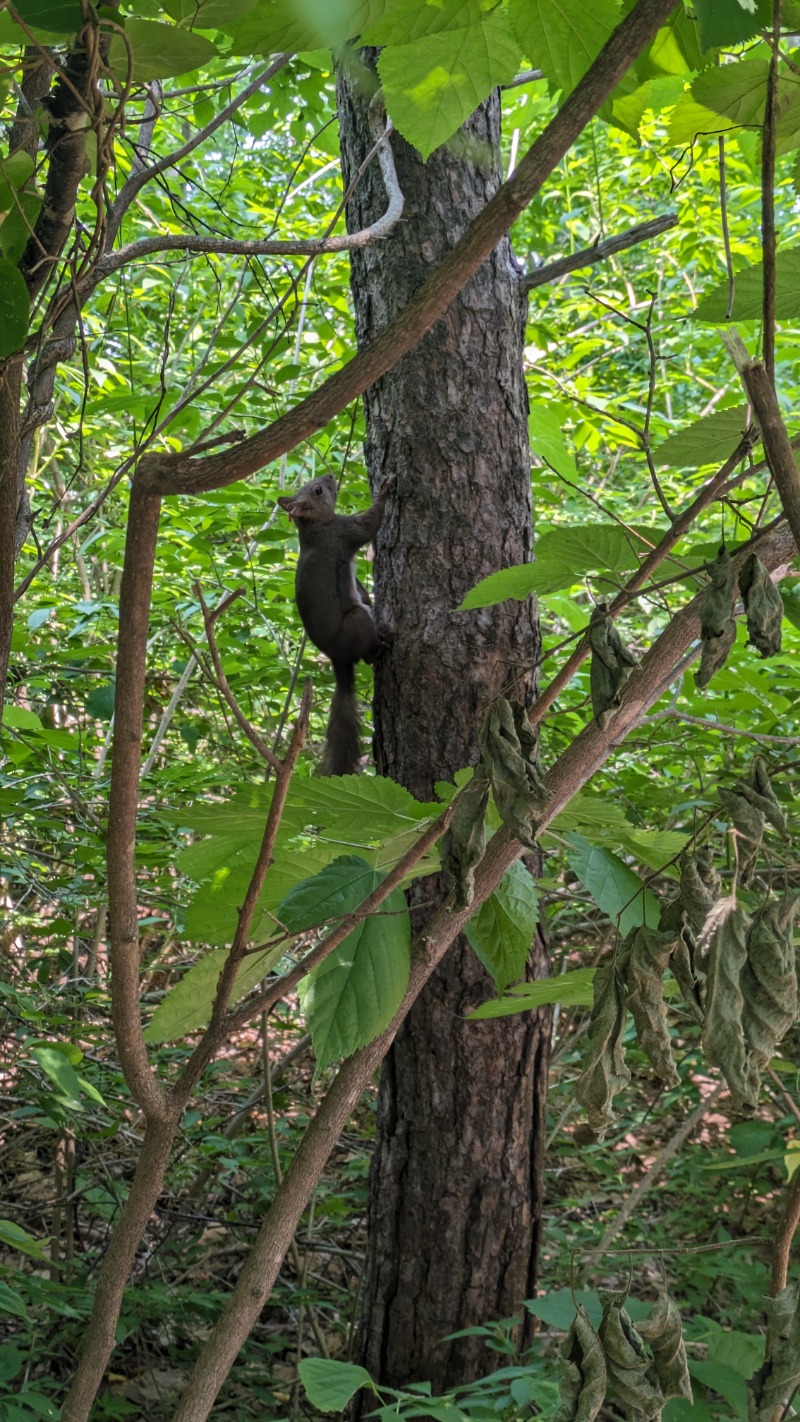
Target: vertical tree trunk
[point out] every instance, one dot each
(455, 1191)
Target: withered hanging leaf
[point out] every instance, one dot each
(611, 664)
(604, 1072)
(778, 1378)
(683, 964)
(763, 606)
(649, 953)
(699, 886)
(464, 843)
(769, 983)
(635, 1393)
(723, 1035)
(661, 1330)
(582, 1385)
(758, 792)
(716, 916)
(509, 751)
(749, 822)
(717, 625)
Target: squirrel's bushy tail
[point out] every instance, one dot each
(341, 742)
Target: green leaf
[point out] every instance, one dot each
(563, 557)
(501, 932)
(432, 85)
(690, 121)
(724, 22)
(100, 702)
(729, 1384)
(546, 438)
(18, 224)
(710, 440)
(57, 16)
(159, 51)
(330, 1385)
(569, 989)
(557, 1308)
(285, 25)
(14, 1237)
(338, 889)
(405, 21)
(614, 887)
(355, 992)
(739, 91)
(563, 37)
(14, 307)
(791, 603)
(187, 1006)
(749, 292)
(14, 174)
(58, 1068)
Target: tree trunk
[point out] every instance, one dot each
(455, 1190)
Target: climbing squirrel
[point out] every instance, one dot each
(334, 607)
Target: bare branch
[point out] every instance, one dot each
(270, 247)
(760, 391)
(209, 618)
(599, 251)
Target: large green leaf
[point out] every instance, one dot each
(739, 91)
(614, 887)
(569, 989)
(13, 1236)
(731, 21)
(502, 930)
(546, 437)
(563, 557)
(187, 1006)
(691, 120)
(323, 816)
(14, 173)
(336, 890)
(159, 51)
(331, 1384)
(562, 37)
(18, 224)
(300, 24)
(355, 992)
(59, 17)
(405, 21)
(749, 292)
(707, 441)
(432, 85)
(14, 307)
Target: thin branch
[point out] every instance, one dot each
(768, 238)
(599, 251)
(722, 727)
(782, 1246)
(209, 618)
(271, 247)
(658, 1166)
(726, 235)
(760, 390)
(219, 1024)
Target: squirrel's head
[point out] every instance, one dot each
(315, 500)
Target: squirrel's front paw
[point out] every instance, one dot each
(387, 486)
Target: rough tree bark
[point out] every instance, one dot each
(455, 1190)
